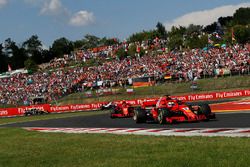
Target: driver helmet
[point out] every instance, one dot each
(170, 104)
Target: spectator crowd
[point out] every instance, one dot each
(180, 65)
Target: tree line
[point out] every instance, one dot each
(31, 52)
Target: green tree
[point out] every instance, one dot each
(242, 16)
(121, 54)
(33, 48)
(62, 46)
(196, 41)
(176, 37)
(78, 44)
(193, 37)
(32, 44)
(161, 30)
(46, 55)
(108, 41)
(225, 21)
(143, 36)
(193, 29)
(16, 56)
(31, 65)
(210, 28)
(91, 41)
(242, 33)
(132, 50)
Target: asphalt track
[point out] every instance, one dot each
(223, 120)
(240, 119)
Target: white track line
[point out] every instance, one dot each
(229, 132)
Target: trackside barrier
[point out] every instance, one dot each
(10, 112)
(199, 97)
(75, 107)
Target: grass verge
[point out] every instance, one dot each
(23, 148)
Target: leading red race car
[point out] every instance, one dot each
(122, 110)
(168, 110)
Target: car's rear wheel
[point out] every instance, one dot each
(205, 109)
(139, 115)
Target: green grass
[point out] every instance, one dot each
(204, 85)
(23, 148)
(48, 116)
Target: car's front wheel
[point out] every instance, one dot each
(163, 114)
(139, 115)
(161, 118)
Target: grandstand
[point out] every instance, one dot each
(59, 78)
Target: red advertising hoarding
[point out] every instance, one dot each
(10, 112)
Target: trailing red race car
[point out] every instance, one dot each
(122, 110)
(168, 110)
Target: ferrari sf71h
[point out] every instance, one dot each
(170, 111)
(122, 110)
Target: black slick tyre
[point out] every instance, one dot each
(139, 115)
(162, 117)
(206, 110)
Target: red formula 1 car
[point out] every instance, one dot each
(172, 110)
(122, 110)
